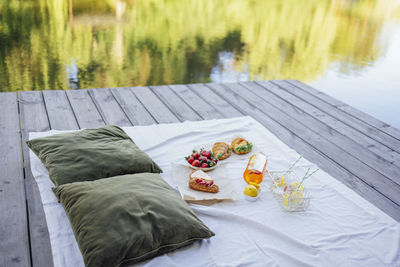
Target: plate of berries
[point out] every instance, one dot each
(203, 160)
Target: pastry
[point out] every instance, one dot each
(221, 150)
(200, 181)
(241, 146)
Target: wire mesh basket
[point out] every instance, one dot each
(286, 189)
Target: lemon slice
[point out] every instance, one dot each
(255, 185)
(251, 191)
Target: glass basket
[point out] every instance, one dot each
(286, 190)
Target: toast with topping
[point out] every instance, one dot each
(201, 181)
(241, 146)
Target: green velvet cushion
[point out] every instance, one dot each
(91, 154)
(127, 219)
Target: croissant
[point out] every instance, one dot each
(221, 150)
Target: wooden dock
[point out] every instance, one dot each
(357, 149)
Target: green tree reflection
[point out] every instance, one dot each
(59, 44)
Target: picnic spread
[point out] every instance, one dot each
(253, 201)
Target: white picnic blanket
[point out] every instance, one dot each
(339, 229)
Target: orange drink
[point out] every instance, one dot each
(255, 168)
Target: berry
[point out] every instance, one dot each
(196, 163)
(195, 154)
(206, 153)
(204, 165)
(190, 160)
(203, 159)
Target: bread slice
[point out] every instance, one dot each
(201, 181)
(221, 150)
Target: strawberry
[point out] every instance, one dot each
(204, 165)
(190, 160)
(203, 159)
(195, 154)
(196, 163)
(206, 153)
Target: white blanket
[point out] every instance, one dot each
(339, 229)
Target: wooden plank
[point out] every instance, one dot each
(34, 119)
(357, 115)
(108, 107)
(223, 107)
(285, 91)
(180, 109)
(356, 123)
(59, 110)
(297, 137)
(203, 108)
(14, 238)
(154, 105)
(85, 110)
(136, 112)
(350, 140)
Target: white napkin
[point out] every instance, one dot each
(181, 178)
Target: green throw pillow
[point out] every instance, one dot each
(129, 218)
(91, 154)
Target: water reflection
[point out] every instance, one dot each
(227, 70)
(72, 75)
(60, 44)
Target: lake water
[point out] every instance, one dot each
(348, 49)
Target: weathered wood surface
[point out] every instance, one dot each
(353, 137)
(85, 110)
(349, 110)
(154, 105)
(205, 110)
(108, 107)
(355, 148)
(223, 107)
(14, 238)
(174, 103)
(34, 119)
(136, 112)
(59, 111)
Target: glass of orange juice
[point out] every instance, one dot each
(255, 168)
